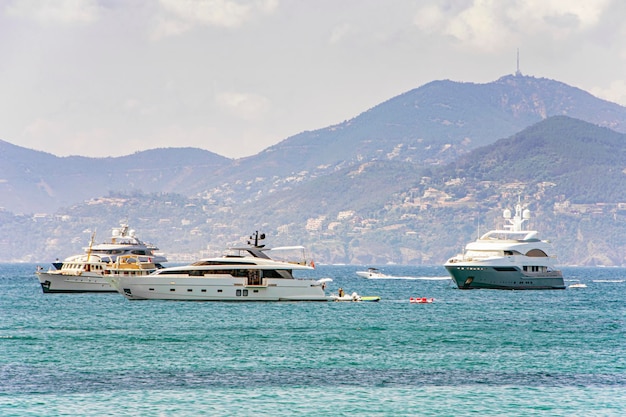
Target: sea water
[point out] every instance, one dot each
(479, 352)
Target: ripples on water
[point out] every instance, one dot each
(476, 352)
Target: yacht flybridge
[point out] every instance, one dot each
(510, 258)
(248, 273)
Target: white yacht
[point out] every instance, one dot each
(123, 254)
(245, 274)
(512, 259)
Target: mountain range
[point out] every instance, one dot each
(408, 181)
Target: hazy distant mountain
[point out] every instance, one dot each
(436, 123)
(572, 159)
(33, 181)
(569, 172)
(407, 181)
(430, 125)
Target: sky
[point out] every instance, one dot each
(102, 78)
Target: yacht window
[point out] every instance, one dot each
(482, 253)
(171, 272)
(536, 253)
(234, 272)
(238, 293)
(202, 263)
(272, 273)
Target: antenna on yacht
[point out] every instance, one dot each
(93, 236)
(520, 217)
(257, 237)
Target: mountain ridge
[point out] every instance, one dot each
(383, 211)
(430, 125)
(357, 192)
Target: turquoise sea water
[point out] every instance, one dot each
(481, 352)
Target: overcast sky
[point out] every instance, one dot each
(112, 77)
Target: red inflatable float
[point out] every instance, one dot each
(422, 300)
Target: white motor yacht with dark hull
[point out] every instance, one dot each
(247, 274)
(511, 259)
(123, 254)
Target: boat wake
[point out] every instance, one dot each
(609, 280)
(412, 278)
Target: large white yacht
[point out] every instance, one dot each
(245, 274)
(122, 254)
(512, 259)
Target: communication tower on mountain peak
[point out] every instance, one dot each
(518, 73)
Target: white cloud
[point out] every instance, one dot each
(615, 92)
(40, 128)
(244, 106)
(135, 107)
(254, 72)
(430, 19)
(492, 24)
(183, 15)
(579, 14)
(57, 11)
(339, 32)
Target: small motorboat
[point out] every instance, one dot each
(354, 297)
(421, 300)
(372, 273)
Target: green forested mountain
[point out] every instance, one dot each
(586, 163)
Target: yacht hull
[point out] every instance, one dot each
(469, 277)
(154, 287)
(52, 282)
